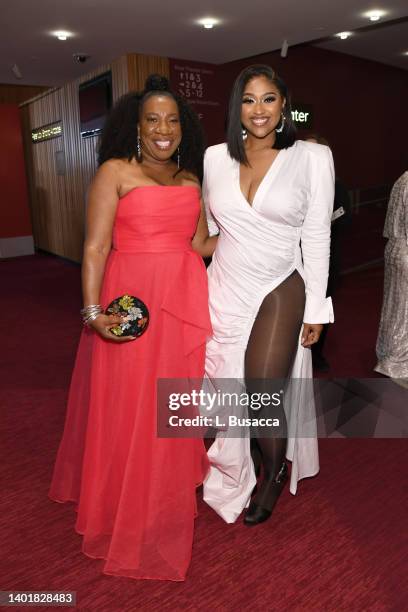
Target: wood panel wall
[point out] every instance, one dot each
(58, 202)
(140, 66)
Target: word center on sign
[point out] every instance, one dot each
(299, 116)
(302, 115)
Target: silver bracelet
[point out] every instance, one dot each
(89, 313)
(92, 317)
(86, 309)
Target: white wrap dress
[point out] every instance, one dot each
(287, 228)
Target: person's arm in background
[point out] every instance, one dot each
(342, 199)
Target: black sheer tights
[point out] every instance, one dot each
(271, 348)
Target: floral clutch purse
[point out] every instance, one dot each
(135, 315)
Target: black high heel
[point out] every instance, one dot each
(258, 514)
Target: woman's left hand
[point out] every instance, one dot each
(311, 333)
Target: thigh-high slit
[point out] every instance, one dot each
(269, 355)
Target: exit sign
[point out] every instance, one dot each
(302, 115)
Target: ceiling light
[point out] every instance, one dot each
(62, 35)
(343, 35)
(374, 15)
(208, 23)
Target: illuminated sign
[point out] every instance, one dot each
(302, 115)
(52, 130)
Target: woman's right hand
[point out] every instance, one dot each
(102, 325)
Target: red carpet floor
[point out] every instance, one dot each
(340, 544)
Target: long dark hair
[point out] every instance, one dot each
(119, 135)
(234, 128)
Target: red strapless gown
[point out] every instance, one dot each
(135, 492)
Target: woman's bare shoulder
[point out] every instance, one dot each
(112, 168)
(120, 166)
(122, 171)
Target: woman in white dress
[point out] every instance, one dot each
(270, 197)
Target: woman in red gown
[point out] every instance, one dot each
(146, 233)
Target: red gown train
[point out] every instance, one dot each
(135, 492)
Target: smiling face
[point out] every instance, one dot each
(262, 106)
(159, 128)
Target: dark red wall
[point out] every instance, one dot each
(359, 106)
(211, 104)
(15, 217)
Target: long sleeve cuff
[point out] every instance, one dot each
(318, 309)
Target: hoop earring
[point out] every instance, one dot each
(279, 130)
(178, 158)
(139, 149)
